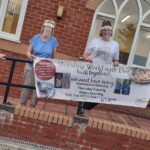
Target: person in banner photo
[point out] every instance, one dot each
(126, 87)
(118, 86)
(102, 50)
(43, 44)
(58, 80)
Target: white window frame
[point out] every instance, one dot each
(10, 36)
(116, 17)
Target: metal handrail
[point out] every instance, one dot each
(8, 84)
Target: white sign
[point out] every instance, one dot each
(81, 81)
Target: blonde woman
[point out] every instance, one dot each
(44, 45)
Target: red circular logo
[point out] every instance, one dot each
(45, 69)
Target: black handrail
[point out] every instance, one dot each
(18, 59)
(8, 84)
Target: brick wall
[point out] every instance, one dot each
(60, 131)
(72, 31)
(93, 4)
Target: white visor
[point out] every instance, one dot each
(106, 28)
(49, 24)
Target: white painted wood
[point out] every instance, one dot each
(9, 36)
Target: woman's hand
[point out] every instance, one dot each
(87, 58)
(2, 56)
(115, 62)
(30, 56)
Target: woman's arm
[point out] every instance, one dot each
(29, 52)
(54, 53)
(116, 55)
(89, 51)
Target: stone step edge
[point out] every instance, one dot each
(65, 120)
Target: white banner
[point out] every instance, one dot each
(81, 81)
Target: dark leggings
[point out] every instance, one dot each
(89, 105)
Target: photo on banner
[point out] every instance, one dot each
(62, 80)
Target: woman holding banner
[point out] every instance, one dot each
(42, 45)
(102, 51)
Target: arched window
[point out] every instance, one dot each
(131, 28)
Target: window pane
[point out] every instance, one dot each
(145, 6)
(12, 16)
(143, 47)
(119, 2)
(108, 8)
(126, 28)
(147, 19)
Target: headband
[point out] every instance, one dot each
(106, 27)
(49, 24)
